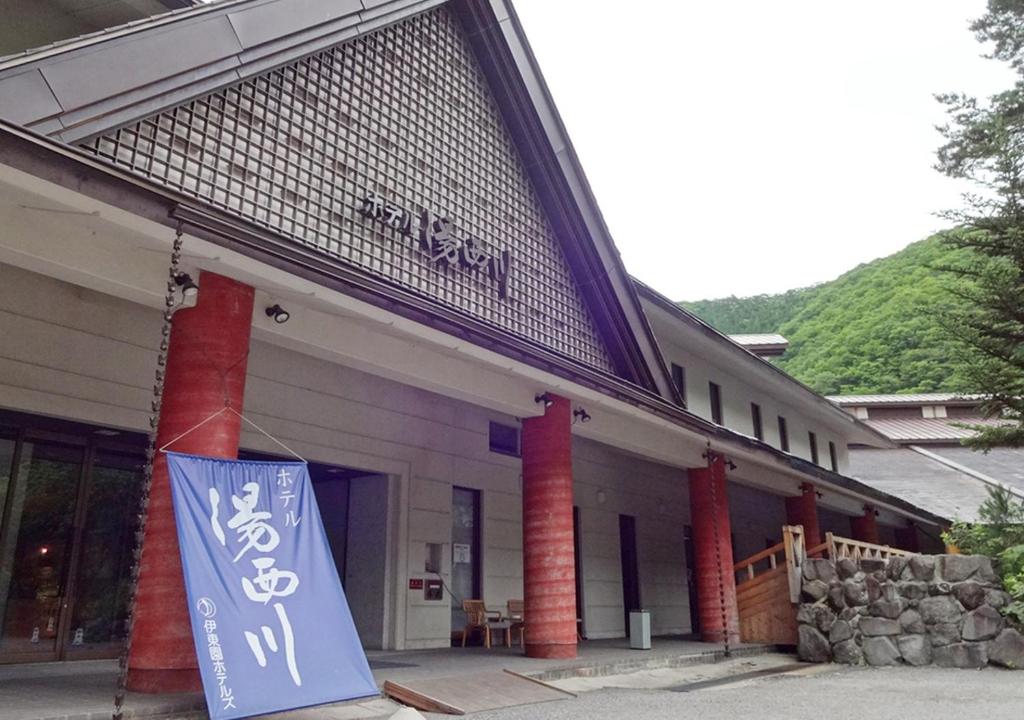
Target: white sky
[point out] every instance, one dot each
(747, 146)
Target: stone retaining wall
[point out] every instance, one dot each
(922, 610)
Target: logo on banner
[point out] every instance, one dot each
(272, 628)
(206, 607)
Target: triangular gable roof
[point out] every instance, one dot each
(81, 89)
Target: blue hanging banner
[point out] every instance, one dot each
(271, 624)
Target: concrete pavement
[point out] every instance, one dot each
(76, 690)
(820, 692)
(84, 690)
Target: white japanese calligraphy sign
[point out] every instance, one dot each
(270, 621)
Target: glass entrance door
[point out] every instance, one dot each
(465, 584)
(101, 585)
(35, 548)
(67, 509)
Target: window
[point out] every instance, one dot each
(715, 398)
(755, 419)
(832, 458)
(783, 435)
(679, 378)
(504, 439)
(812, 440)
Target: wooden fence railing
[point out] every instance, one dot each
(790, 554)
(836, 547)
(769, 582)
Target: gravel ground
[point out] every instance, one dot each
(817, 693)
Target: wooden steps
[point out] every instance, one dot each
(765, 597)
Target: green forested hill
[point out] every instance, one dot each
(751, 314)
(875, 329)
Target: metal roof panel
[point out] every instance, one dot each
(928, 429)
(119, 67)
(925, 483)
(904, 399)
(1005, 465)
(759, 339)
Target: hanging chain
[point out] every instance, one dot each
(147, 484)
(712, 457)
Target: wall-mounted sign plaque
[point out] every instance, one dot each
(437, 240)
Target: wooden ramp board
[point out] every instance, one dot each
(766, 613)
(472, 692)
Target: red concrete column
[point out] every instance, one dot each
(803, 510)
(549, 568)
(206, 363)
(865, 527)
(716, 582)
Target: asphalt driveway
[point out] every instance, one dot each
(817, 692)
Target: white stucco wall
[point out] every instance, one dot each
(737, 394)
(657, 496)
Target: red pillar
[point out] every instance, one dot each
(206, 363)
(716, 582)
(803, 510)
(865, 527)
(549, 569)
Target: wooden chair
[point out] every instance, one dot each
(478, 617)
(516, 621)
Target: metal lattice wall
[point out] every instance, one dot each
(405, 113)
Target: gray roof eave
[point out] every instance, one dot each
(68, 90)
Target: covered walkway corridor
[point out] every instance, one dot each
(84, 690)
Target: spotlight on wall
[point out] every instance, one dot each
(189, 289)
(544, 398)
(279, 314)
(580, 414)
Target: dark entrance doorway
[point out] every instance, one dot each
(353, 507)
(578, 569)
(691, 579)
(630, 566)
(68, 497)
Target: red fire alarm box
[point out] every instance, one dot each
(415, 583)
(433, 590)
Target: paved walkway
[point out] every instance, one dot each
(824, 692)
(84, 690)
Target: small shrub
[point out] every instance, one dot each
(999, 533)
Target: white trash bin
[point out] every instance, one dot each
(639, 630)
